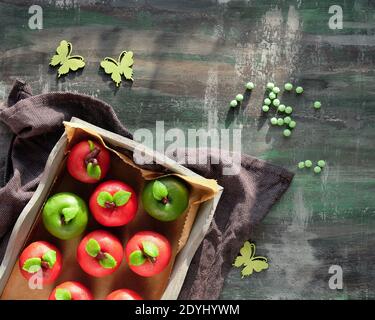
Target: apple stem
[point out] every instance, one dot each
(165, 200)
(100, 256)
(110, 205)
(45, 265)
(92, 157)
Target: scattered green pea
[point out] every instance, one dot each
(288, 110)
(265, 108)
(239, 97)
(267, 101)
(272, 95)
(274, 121)
(321, 163)
(276, 102)
(317, 104)
(276, 90)
(280, 121)
(308, 163)
(270, 85)
(287, 120)
(317, 169)
(281, 108)
(288, 86)
(287, 133)
(299, 90)
(233, 103)
(292, 124)
(301, 165)
(250, 86)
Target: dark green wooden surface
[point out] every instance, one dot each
(191, 57)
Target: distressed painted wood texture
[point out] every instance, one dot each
(191, 58)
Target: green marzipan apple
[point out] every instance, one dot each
(65, 215)
(165, 199)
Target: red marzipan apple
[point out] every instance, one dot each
(41, 255)
(71, 290)
(113, 203)
(88, 161)
(148, 253)
(124, 294)
(99, 253)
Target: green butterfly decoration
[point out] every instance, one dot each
(121, 67)
(249, 261)
(65, 60)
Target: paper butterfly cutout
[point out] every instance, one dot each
(121, 67)
(65, 60)
(247, 258)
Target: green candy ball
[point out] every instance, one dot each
(299, 90)
(317, 104)
(308, 163)
(288, 86)
(265, 108)
(274, 121)
(270, 85)
(321, 163)
(288, 110)
(287, 133)
(292, 124)
(280, 121)
(250, 86)
(287, 120)
(301, 165)
(276, 90)
(317, 169)
(272, 95)
(276, 102)
(239, 97)
(233, 103)
(281, 108)
(267, 102)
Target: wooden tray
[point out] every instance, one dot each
(29, 228)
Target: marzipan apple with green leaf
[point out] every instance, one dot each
(148, 253)
(41, 256)
(99, 253)
(113, 203)
(71, 290)
(166, 198)
(88, 161)
(65, 215)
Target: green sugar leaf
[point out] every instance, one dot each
(150, 249)
(103, 198)
(108, 262)
(91, 145)
(32, 265)
(69, 213)
(50, 258)
(92, 248)
(94, 171)
(121, 197)
(63, 294)
(137, 258)
(159, 190)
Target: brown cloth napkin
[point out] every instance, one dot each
(36, 122)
